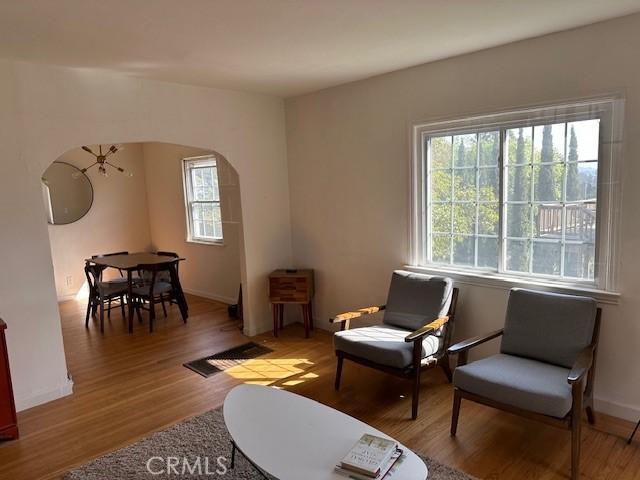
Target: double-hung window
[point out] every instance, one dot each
(522, 194)
(202, 199)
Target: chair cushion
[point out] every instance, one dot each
(415, 300)
(549, 327)
(108, 289)
(520, 382)
(160, 287)
(383, 345)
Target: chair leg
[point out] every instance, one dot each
(101, 315)
(455, 413)
(89, 307)
(122, 306)
(137, 306)
(152, 314)
(444, 364)
(576, 427)
(415, 400)
(591, 416)
(164, 307)
(109, 309)
(339, 371)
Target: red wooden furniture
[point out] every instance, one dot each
(8, 420)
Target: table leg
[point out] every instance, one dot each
(233, 454)
(310, 316)
(305, 318)
(130, 299)
(281, 315)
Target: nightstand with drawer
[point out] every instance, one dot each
(294, 287)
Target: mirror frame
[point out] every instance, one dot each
(90, 184)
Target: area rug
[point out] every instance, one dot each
(204, 437)
(219, 362)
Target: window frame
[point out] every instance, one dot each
(188, 164)
(610, 111)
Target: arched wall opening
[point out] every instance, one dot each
(144, 208)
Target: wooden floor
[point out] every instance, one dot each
(127, 386)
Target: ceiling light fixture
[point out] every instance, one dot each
(101, 161)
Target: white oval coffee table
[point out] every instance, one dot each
(294, 438)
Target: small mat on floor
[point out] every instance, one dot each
(204, 437)
(220, 362)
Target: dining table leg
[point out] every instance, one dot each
(130, 298)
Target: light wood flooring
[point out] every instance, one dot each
(127, 386)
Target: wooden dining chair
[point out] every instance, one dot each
(156, 289)
(101, 294)
(164, 276)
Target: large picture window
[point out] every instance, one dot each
(522, 194)
(202, 200)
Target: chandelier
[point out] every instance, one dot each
(102, 162)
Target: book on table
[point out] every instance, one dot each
(386, 472)
(369, 456)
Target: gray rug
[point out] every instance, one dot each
(204, 437)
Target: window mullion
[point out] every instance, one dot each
(502, 196)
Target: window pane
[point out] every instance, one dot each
(441, 152)
(518, 183)
(582, 141)
(582, 181)
(488, 218)
(463, 250)
(464, 218)
(441, 185)
(546, 258)
(204, 184)
(441, 249)
(579, 261)
(549, 143)
(488, 252)
(206, 220)
(518, 254)
(518, 145)
(489, 148)
(464, 184)
(441, 218)
(518, 220)
(488, 181)
(548, 221)
(465, 150)
(547, 182)
(580, 222)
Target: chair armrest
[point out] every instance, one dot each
(581, 366)
(422, 331)
(343, 317)
(470, 343)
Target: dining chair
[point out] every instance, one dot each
(415, 332)
(122, 278)
(164, 276)
(156, 289)
(101, 294)
(545, 368)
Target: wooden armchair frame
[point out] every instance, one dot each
(418, 364)
(580, 378)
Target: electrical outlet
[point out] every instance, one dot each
(69, 281)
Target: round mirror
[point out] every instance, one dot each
(67, 192)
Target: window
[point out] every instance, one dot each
(524, 194)
(202, 199)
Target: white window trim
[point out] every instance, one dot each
(186, 184)
(611, 111)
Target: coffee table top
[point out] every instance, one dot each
(292, 437)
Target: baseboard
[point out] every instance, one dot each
(616, 409)
(211, 296)
(62, 390)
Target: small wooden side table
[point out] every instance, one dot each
(291, 286)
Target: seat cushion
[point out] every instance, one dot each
(415, 300)
(383, 344)
(520, 382)
(108, 289)
(549, 327)
(160, 287)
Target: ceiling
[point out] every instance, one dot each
(281, 47)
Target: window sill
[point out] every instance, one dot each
(507, 283)
(219, 243)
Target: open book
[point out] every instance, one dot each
(369, 456)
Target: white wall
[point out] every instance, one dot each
(349, 154)
(117, 221)
(211, 271)
(48, 111)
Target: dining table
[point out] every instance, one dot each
(131, 262)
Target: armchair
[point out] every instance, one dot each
(545, 367)
(416, 331)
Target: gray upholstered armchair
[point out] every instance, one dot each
(414, 335)
(545, 367)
